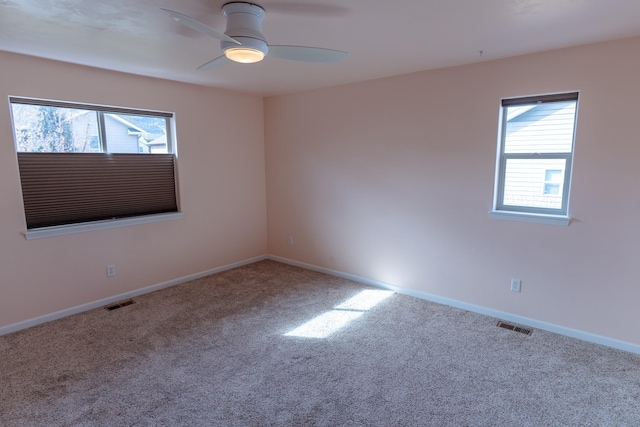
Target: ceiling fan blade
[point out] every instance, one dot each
(215, 63)
(198, 26)
(307, 54)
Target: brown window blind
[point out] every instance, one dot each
(528, 100)
(69, 188)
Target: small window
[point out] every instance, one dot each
(83, 163)
(535, 154)
(552, 182)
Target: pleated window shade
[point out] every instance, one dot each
(69, 188)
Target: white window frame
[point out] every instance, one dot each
(527, 213)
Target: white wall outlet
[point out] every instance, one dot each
(111, 270)
(290, 240)
(515, 285)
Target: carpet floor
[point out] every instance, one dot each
(237, 349)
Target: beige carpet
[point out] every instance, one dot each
(214, 352)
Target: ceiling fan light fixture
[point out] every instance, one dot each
(244, 42)
(245, 55)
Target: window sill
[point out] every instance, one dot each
(530, 217)
(39, 233)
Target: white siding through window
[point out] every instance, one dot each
(546, 128)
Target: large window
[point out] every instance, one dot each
(536, 154)
(85, 163)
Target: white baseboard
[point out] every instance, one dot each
(574, 333)
(110, 300)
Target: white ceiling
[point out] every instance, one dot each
(384, 38)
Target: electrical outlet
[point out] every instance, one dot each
(290, 240)
(111, 270)
(515, 285)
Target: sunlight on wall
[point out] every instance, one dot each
(334, 320)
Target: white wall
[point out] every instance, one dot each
(221, 184)
(392, 180)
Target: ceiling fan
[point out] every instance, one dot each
(244, 42)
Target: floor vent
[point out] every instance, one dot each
(515, 328)
(119, 305)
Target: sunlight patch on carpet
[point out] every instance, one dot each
(342, 314)
(365, 300)
(325, 324)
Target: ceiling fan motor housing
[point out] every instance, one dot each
(244, 24)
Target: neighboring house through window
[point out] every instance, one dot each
(535, 155)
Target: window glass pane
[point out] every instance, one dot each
(135, 134)
(552, 189)
(524, 183)
(50, 129)
(540, 128)
(553, 175)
